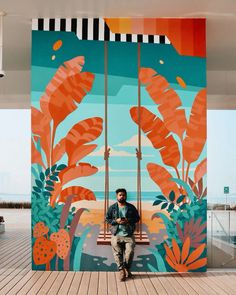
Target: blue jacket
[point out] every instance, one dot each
(113, 213)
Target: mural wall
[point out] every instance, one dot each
(118, 103)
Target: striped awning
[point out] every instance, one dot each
(93, 29)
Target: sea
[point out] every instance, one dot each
(132, 197)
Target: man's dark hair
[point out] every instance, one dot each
(121, 190)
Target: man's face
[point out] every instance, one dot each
(121, 197)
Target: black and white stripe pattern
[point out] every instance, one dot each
(92, 29)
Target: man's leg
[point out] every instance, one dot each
(118, 249)
(129, 254)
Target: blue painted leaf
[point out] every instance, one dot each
(171, 206)
(49, 182)
(53, 167)
(52, 177)
(47, 194)
(49, 188)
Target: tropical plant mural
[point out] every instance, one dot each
(180, 141)
(54, 219)
(118, 103)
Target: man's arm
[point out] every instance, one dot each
(135, 216)
(109, 219)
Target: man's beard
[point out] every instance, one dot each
(122, 201)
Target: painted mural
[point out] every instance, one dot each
(118, 103)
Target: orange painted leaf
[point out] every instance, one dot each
(158, 134)
(59, 150)
(72, 172)
(35, 155)
(198, 264)
(168, 100)
(195, 254)
(83, 132)
(176, 251)
(80, 152)
(67, 85)
(80, 193)
(170, 254)
(55, 193)
(161, 177)
(200, 170)
(185, 250)
(43, 250)
(40, 124)
(195, 139)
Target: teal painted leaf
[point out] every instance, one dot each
(182, 207)
(157, 202)
(185, 186)
(49, 188)
(161, 197)
(34, 172)
(152, 268)
(47, 171)
(163, 206)
(171, 206)
(52, 177)
(180, 199)
(160, 263)
(36, 194)
(79, 249)
(61, 167)
(56, 173)
(54, 222)
(49, 182)
(47, 194)
(39, 183)
(53, 167)
(172, 196)
(38, 190)
(42, 177)
(185, 214)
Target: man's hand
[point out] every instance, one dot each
(122, 221)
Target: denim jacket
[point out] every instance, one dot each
(131, 214)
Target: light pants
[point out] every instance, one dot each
(123, 250)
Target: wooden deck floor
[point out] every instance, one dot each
(16, 277)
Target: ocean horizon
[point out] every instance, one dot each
(132, 197)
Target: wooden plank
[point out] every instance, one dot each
(147, 283)
(21, 283)
(212, 285)
(48, 282)
(36, 287)
(30, 283)
(111, 282)
(93, 286)
(121, 287)
(162, 278)
(83, 288)
(139, 284)
(10, 281)
(192, 283)
(218, 283)
(8, 254)
(199, 281)
(66, 283)
(130, 286)
(222, 278)
(57, 283)
(14, 257)
(102, 285)
(154, 278)
(188, 288)
(74, 287)
(14, 272)
(175, 285)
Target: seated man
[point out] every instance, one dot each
(122, 216)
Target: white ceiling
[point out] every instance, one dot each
(221, 34)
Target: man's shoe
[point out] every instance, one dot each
(122, 275)
(128, 274)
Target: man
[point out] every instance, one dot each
(122, 216)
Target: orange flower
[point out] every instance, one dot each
(185, 261)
